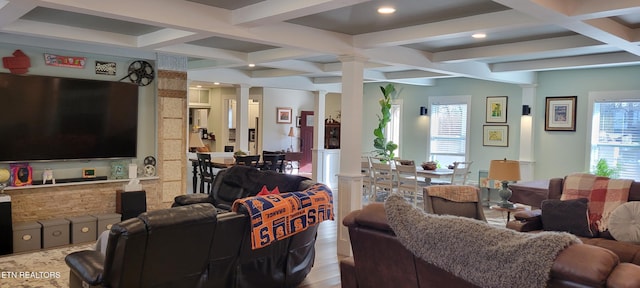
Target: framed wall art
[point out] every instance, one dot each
(495, 135)
(283, 115)
(496, 109)
(560, 113)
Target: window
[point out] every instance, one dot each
(615, 131)
(392, 132)
(449, 121)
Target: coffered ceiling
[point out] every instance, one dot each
(298, 44)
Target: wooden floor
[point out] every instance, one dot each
(325, 272)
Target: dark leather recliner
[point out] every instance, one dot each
(241, 181)
(162, 248)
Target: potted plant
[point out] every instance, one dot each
(603, 169)
(383, 148)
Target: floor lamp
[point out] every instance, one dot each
(504, 171)
(291, 136)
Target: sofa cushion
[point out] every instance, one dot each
(624, 222)
(567, 215)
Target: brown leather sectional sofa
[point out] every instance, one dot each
(198, 245)
(379, 260)
(527, 221)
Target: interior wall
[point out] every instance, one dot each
(146, 103)
(274, 135)
(556, 153)
(415, 128)
(559, 153)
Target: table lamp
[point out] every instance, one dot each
(195, 142)
(504, 171)
(291, 135)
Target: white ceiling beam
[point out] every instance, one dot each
(272, 11)
(11, 11)
(297, 65)
(550, 45)
(273, 73)
(166, 37)
(206, 52)
(279, 54)
(414, 74)
(490, 22)
(565, 63)
(555, 12)
(413, 58)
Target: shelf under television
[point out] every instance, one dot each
(84, 181)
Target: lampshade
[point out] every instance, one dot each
(291, 132)
(195, 141)
(504, 170)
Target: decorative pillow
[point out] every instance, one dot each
(624, 222)
(567, 215)
(266, 191)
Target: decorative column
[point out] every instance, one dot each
(527, 158)
(350, 178)
(242, 117)
(318, 137)
(172, 128)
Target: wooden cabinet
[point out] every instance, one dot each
(332, 135)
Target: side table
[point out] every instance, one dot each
(516, 208)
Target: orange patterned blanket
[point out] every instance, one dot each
(278, 216)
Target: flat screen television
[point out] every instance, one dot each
(46, 118)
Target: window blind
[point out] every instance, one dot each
(616, 136)
(448, 130)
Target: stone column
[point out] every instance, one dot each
(350, 178)
(172, 128)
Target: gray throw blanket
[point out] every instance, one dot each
(473, 250)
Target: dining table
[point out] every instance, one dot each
(433, 174)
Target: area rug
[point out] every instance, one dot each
(44, 268)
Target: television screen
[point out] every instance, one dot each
(53, 118)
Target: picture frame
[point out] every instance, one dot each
(298, 121)
(283, 115)
(495, 135)
(252, 135)
(119, 170)
(560, 113)
(496, 109)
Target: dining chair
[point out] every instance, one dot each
(205, 169)
(407, 180)
(457, 200)
(382, 176)
(273, 162)
(459, 176)
(367, 177)
(248, 160)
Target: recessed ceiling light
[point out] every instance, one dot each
(386, 10)
(216, 83)
(198, 86)
(252, 65)
(479, 35)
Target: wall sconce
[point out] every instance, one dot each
(526, 110)
(423, 110)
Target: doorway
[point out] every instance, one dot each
(306, 141)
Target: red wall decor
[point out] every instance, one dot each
(18, 64)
